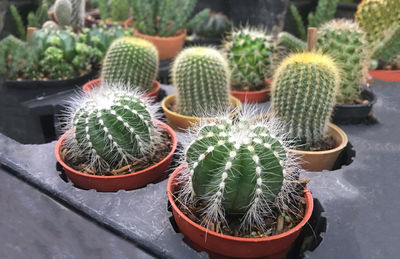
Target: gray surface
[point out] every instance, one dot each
(35, 226)
(360, 200)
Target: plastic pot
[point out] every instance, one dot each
(120, 182)
(224, 246)
(259, 96)
(354, 113)
(181, 122)
(387, 75)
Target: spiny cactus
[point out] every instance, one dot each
(19, 24)
(71, 14)
(63, 12)
(133, 61)
(110, 127)
(201, 77)
(119, 10)
(290, 42)
(238, 168)
(249, 54)
(304, 89)
(214, 27)
(344, 40)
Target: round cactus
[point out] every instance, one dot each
(249, 54)
(304, 90)
(132, 61)
(201, 77)
(345, 41)
(110, 127)
(63, 12)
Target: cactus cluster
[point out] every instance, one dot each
(201, 77)
(70, 13)
(110, 127)
(347, 43)
(304, 90)
(249, 52)
(214, 27)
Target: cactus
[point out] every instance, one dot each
(133, 61)
(63, 12)
(344, 40)
(290, 42)
(71, 13)
(201, 77)
(19, 24)
(239, 168)
(214, 27)
(304, 89)
(119, 10)
(249, 53)
(40, 16)
(111, 127)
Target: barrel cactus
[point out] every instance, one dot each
(132, 61)
(110, 127)
(304, 90)
(344, 40)
(201, 77)
(249, 53)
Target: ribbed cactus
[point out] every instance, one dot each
(71, 13)
(133, 61)
(201, 77)
(303, 95)
(110, 127)
(214, 27)
(239, 168)
(119, 10)
(290, 42)
(249, 53)
(344, 40)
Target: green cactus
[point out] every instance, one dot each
(63, 12)
(249, 53)
(119, 10)
(214, 27)
(201, 77)
(304, 90)
(290, 42)
(40, 16)
(133, 61)
(345, 41)
(110, 127)
(19, 24)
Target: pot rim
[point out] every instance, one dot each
(267, 81)
(174, 141)
(307, 216)
(178, 34)
(371, 101)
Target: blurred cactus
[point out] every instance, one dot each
(71, 13)
(215, 27)
(119, 10)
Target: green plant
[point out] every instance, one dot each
(325, 11)
(110, 127)
(304, 91)
(63, 12)
(215, 27)
(19, 24)
(70, 13)
(132, 61)
(119, 10)
(344, 40)
(249, 53)
(103, 9)
(201, 77)
(290, 42)
(165, 18)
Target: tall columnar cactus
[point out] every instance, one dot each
(303, 95)
(119, 10)
(133, 61)
(110, 127)
(238, 168)
(71, 13)
(249, 53)
(201, 77)
(344, 40)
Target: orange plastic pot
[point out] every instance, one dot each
(224, 246)
(120, 182)
(96, 82)
(387, 75)
(259, 96)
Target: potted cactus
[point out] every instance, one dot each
(112, 140)
(164, 23)
(237, 184)
(134, 62)
(70, 13)
(249, 52)
(201, 77)
(304, 91)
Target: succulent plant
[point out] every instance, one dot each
(201, 77)
(304, 91)
(214, 27)
(249, 53)
(110, 127)
(119, 10)
(290, 42)
(132, 61)
(344, 40)
(71, 13)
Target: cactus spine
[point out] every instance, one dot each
(201, 77)
(344, 40)
(303, 95)
(111, 128)
(133, 61)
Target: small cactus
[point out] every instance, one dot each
(63, 12)
(110, 127)
(132, 61)
(214, 27)
(304, 90)
(201, 77)
(249, 53)
(119, 10)
(290, 42)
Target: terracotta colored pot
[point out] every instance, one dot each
(120, 182)
(315, 161)
(259, 96)
(181, 122)
(224, 246)
(152, 95)
(387, 75)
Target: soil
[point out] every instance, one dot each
(285, 218)
(247, 88)
(158, 153)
